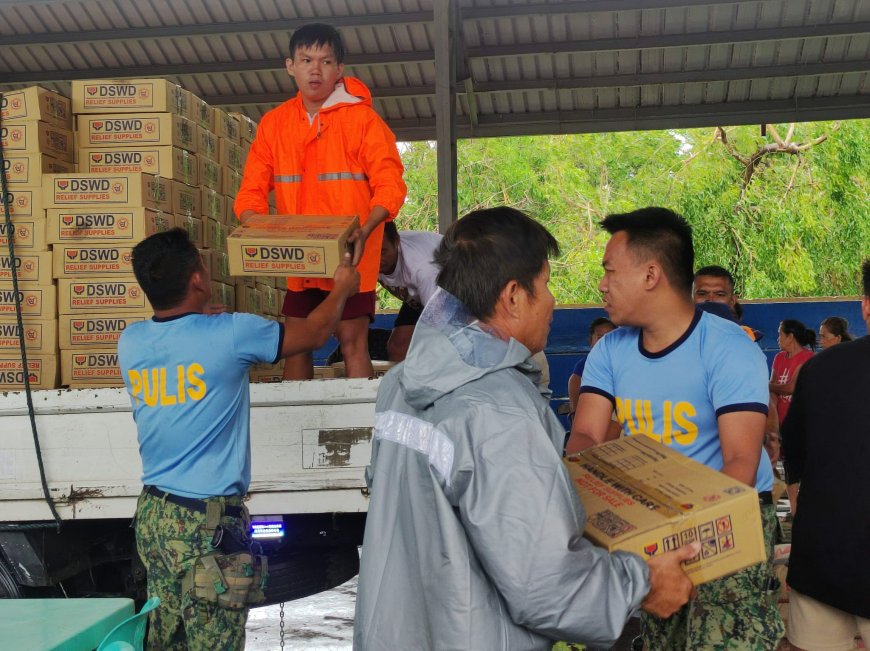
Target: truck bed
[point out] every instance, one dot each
(310, 443)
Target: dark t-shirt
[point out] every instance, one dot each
(826, 438)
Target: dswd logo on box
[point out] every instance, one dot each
(98, 125)
(78, 326)
(91, 90)
(67, 219)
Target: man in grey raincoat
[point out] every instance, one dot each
(473, 537)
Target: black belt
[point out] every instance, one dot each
(765, 498)
(192, 503)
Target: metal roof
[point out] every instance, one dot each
(523, 66)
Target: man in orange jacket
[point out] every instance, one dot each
(326, 152)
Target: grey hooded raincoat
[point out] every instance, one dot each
(472, 538)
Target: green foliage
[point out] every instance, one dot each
(800, 227)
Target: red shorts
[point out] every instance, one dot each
(300, 304)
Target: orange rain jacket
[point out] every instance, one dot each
(344, 162)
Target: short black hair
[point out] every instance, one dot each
(717, 272)
(163, 264)
(485, 250)
(600, 321)
(391, 232)
(661, 234)
(318, 35)
(803, 335)
(865, 271)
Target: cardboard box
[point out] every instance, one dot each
(247, 127)
(220, 266)
(248, 299)
(381, 367)
(129, 96)
(35, 103)
(39, 336)
(90, 295)
(28, 169)
(642, 497)
(87, 189)
(28, 234)
(267, 373)
(105, 224)
(231, 181)
(327, 372)
(168, 162)
(33, 268)
(136, 129)
(210, 174)
(185, 200)
(94, 330)
(225, 125)
(75, 259)
(225, 295)
(38, 137)
(230, 154)
(42, 370)
(216, 234)
(206, 143)
(201, 113)
(229, 217)
(25, 202)
(38, 302)
(90, 367)
(213, 204)
(289, 245)
(194, 228)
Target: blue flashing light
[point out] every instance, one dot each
(267, 530)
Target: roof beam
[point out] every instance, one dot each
(647, 118)
(424, 56)
(598, 81)
(357, 20)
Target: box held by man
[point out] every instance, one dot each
(289, 245)
(641, 496)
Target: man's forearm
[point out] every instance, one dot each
(376, 216)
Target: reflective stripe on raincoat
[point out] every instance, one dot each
(344, 162)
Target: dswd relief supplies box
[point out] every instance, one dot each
(90, 295)
(129, 96)
(247, 127)
(31, 268)
(267, 372)
(201, 113)
(39, 336)
(231, 155)
(86, 189)
(75, 259)
(640, 496)
(41, 369)
(90, 367)
(225, 295)
(28, 234)
(94, 330)
(206, 143)
(225, 125)
(185, 200)
(212, 203)
(135, 129)
(168, 162)
(210, 174)
(39, 302)
(35, 103)
(25, 202)
(29, 169)
(194, 227)
(38, 137)
(105, 224)
(231, 181)
(289, 245)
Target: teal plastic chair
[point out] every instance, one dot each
(129, 635)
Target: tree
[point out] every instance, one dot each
(796, 225)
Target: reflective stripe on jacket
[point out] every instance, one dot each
(343, 162)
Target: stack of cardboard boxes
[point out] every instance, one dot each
(37, 138)
(150, 156)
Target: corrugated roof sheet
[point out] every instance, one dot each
(533, 66)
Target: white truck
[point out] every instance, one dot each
(310, 444)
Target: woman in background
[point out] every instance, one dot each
(834, 330)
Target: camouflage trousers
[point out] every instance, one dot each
(169, 539)
(735, 612)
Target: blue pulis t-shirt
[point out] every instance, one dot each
(187, 377)
(675, 396)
